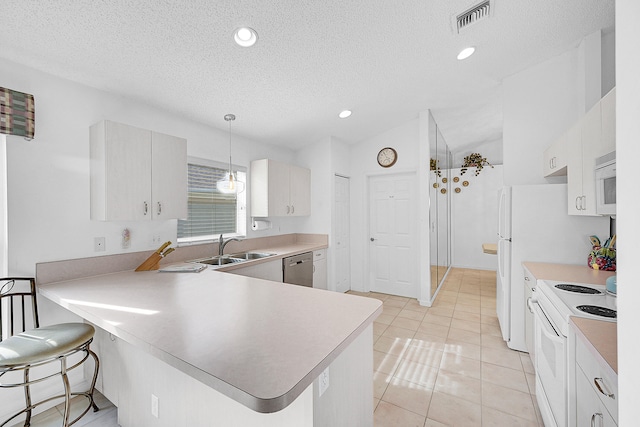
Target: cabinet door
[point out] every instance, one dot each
(169, 176)
(555, 158)
(300, 186)
(271, 270)
(122, 156)
(530, 283)
(105, 346)
(320, 273)
(279, 204)
(574, 169)
(591, 141)
(608, 107)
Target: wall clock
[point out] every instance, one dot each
(387, 157)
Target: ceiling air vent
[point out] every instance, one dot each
(473, 15)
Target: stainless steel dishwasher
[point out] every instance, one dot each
(298, 269)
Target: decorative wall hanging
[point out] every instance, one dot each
(433, 165)
(17, 113)
(474, 160)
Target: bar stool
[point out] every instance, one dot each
(40, 346)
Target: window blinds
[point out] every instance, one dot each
(210, 212)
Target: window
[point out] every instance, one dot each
(211, 212)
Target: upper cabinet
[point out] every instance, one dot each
(608, 108)
(555, 158)
(574, 154)
(137, 174)
(279, 189)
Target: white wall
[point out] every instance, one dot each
(539, 104)
(48, 178)
(404, 139)
(474, 217)
(628, 151)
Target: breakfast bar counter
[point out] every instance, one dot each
(257, 342)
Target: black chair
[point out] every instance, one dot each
(38, 346)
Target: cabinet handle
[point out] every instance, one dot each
(314, 268)
(288, 209)
(593, 419)
(597, 382)
(583, 203)
(159, 208)
(146, 208)
(293, 209)
(577, 207)
(529, 305)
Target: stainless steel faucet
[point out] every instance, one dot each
(222, 243)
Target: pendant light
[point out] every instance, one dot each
(229, 184)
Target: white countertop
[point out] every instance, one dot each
(260, 343)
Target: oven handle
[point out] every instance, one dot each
(547, 327)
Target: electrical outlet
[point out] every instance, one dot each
(323, 381)
(98, 244)
(155, 239)
(155, 403)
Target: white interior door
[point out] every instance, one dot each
(392, 230)
(341, 234)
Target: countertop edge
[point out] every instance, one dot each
(257, 404)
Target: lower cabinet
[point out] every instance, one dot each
(589, 409)
(320, 269)
(106, 346)
(529, 291)
(593, 387)
(271, 270)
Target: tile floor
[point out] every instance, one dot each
(107, 416)
(446, 365)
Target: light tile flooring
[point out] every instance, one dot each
(107, 416)
(447, 365)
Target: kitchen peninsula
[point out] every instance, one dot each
(217, 346)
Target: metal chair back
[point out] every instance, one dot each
(15, 294)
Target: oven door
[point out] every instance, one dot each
(551, 371)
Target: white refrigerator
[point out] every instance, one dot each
(534, 226)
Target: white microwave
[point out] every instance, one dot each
(605, 173)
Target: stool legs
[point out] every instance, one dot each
(27, 397)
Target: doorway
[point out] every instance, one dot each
(392, 235)
(341, 234)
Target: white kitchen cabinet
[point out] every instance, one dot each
(279, 189)
(608, 112)
(271, 270)
(555, 158)
(136, 174)
(589, 409)
(583, 140)
(106, 346)
(529, 292)
(320, 269)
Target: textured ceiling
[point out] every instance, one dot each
(386, 60)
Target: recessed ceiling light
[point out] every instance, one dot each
(344, 114)
(245, 36)
(465, 53)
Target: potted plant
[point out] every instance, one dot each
(474, 160)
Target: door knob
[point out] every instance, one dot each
(372, 239)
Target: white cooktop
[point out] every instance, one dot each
(566, 302)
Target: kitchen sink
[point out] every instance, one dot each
(218, 260)
(251, 255)
(232, 259)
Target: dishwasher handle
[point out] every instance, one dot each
(299, 262)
